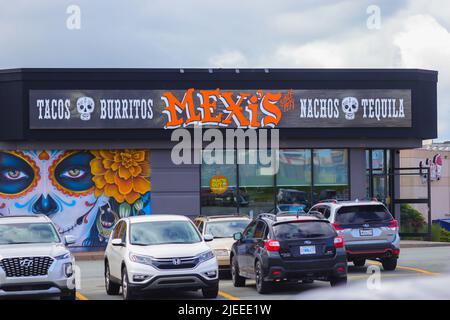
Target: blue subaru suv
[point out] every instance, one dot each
(288, 247)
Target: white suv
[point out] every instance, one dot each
(368, 228)
(34, 260)
(159, 252)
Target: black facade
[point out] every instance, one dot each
(330, 157)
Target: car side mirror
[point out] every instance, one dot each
(69, 240)
(237, 236)
(208, 237)
(117, 242)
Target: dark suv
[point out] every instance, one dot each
(288, 248)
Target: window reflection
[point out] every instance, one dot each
(330, 174)
(256, 185)
(305, 176)
(218, 186)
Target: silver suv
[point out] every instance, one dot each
(368, 228)
(34, 260)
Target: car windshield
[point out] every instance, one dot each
(362, 214)
(301, 230)
(226, 229)
(23, 233)
(163, 232)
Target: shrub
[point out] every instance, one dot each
(411, 219)
(439, 233)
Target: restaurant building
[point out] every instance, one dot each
(88, 146)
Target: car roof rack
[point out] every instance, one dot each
(329, 200)
(236, 215)
(270, 216)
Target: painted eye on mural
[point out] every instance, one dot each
(16, 175)
(74, 172)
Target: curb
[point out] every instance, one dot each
(89, 256)
(99, 255)
(424, 245)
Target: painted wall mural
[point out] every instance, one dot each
(84, 192)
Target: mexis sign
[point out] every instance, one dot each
(219, 108)
(242, 110)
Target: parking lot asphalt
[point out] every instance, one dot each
(415, 264)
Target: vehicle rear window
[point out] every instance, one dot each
(362, 214)
(300, 230)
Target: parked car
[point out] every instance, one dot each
(288, 248)
(159, 252)
(34, 260)
(222, 228)
(368, 228)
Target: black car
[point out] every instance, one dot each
(288, 248)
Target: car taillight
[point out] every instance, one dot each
(272, 245)
(338, 242)
(337, 226)
(393, 224)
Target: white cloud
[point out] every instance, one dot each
(234, 34)
(229, 59)
(424, 43)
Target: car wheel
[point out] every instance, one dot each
(359, 262)
(112, 288)
(389, 264)
(262, 286)
(338, 281)
(211, 292)
(238, 281)
(72, 295)
(127, 292)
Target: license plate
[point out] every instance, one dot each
(366, 232)
(308, 250)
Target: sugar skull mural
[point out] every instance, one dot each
(83, 192)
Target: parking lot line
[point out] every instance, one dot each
(81, 296)
(228, 296)
(411, 269)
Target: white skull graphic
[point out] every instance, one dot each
(85, 106)
(350, 107)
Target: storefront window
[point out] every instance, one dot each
(378, 164)
(256, 186)
(330, 174)
(294, 180)
(218, 187)
(378, 179)
(305, 176)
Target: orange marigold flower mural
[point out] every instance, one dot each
(121, 174)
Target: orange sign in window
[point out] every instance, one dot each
(218, 184)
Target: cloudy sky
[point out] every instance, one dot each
(231, 33)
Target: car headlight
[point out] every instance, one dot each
(141, 259)
(63, 256)
(205, 256)
(68, 269)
